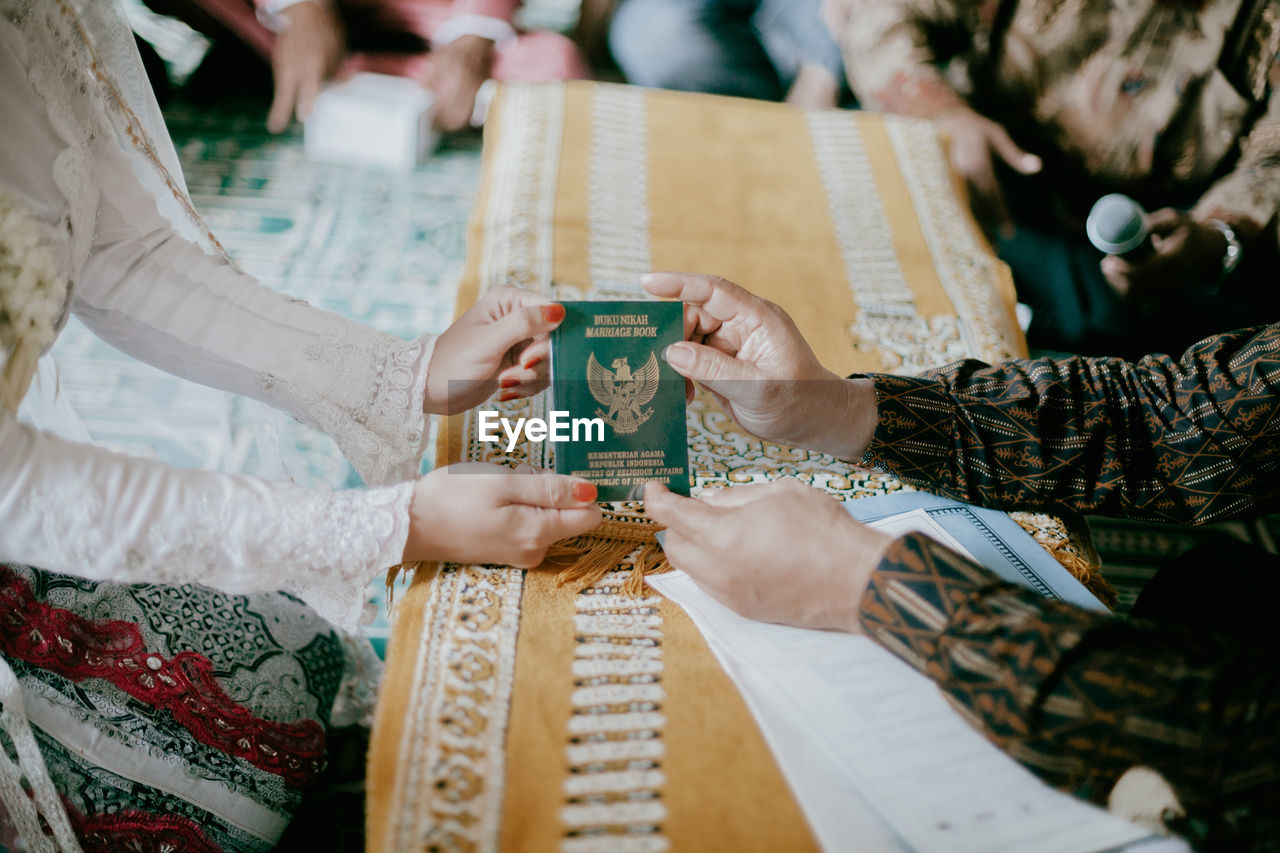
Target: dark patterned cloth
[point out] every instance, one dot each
(1081, 698)
(171, 717)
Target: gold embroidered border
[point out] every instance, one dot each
(618, 211)
(464, 665)
(612, 788)
(965, 265)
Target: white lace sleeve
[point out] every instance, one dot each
(85, 511)
(153, 294)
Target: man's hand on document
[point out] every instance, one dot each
(776, 552)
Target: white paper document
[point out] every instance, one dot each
(876, 757)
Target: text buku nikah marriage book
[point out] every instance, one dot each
(606, 363)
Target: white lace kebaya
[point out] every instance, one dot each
(76, 151)
(84, 153)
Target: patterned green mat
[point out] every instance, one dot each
(382, 248)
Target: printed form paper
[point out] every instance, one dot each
(876, 757)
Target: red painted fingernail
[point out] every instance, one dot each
(507, 396)
(533, 362)
(553, 313)
(509, 382)
(584, 492)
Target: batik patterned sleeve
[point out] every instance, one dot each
(1193, 440)
(888, 57)
(1082, 698)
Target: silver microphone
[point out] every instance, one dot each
(1117, 225)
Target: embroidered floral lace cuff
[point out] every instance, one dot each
(371, 402)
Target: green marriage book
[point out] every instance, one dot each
(607, 367)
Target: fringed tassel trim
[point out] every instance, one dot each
(1071, 547)
(409, 571)
(585, 561)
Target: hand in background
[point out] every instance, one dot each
(1187, 255)
(748, 352)
(777, 552)
(815, 88)
(501, 342)
(306, 53)
(974, 140)
(480, 513)
(457, 71)
(835, 14)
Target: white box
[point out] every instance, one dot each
(372, 120)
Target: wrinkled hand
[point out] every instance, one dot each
(1187, 255)
(501, 342)
(778, 552)
(974, 140)
(748, 352)
(305, 54)
(457, 71)
(481, 513)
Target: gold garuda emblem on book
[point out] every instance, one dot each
(623, 392)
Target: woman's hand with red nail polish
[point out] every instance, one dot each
(530, 375)
(501, 342)
(480, 513)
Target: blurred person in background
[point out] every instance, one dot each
(768, 49)
(452, 46)
(1049, 105)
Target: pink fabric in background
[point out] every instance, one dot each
(532, 57)
(535, 57)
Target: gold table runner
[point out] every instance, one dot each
(519, 715)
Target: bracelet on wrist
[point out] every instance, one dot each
(1231, 257)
